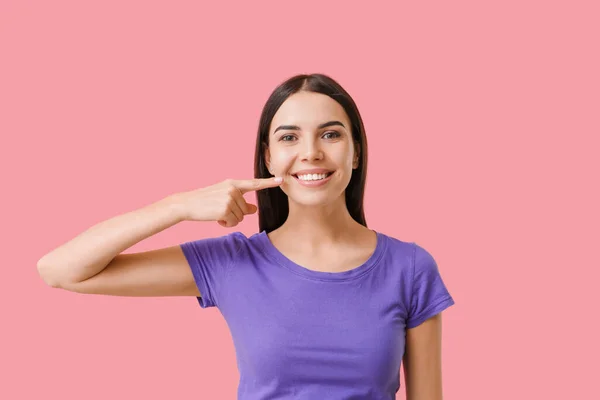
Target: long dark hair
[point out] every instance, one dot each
(272, 203)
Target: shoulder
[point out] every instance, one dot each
(224, 246)
(396, 247)
(410, 248)
(233, 242)
(423, 261)
(413, 256)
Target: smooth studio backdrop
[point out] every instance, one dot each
(482, 120)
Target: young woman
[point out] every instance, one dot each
(319, 305)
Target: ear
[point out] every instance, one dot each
(267, 156)
(355, 162)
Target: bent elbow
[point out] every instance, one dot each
(45, 272)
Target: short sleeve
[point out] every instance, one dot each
(210, 260)
(429, 294)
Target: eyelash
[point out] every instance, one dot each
(336, 135)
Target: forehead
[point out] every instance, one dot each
(307, 110)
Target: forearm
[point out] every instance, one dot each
(91, 251)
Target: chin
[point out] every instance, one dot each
(314, 199)
(314, 202)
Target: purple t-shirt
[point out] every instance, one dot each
(304, 334)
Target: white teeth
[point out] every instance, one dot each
(312, 177)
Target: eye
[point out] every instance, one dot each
(326, 135)
(283, 138)
(334, 134)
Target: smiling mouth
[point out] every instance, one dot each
(313, 177)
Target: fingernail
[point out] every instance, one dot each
(278, 179)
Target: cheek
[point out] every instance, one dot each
(281, 161)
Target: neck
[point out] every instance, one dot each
(319, 225)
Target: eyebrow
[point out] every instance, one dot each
(324, 125)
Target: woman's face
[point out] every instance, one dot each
(315, 161)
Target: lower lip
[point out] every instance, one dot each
(313, 183)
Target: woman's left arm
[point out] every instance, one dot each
(423, 360)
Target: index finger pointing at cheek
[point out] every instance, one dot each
(257, 184)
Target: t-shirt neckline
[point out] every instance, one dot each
(272, 252)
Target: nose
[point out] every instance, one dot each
(311, 150)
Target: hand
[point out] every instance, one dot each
(222, 202)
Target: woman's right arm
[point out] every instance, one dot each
(93, 261)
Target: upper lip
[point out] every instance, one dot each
(312, 171)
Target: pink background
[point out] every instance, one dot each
(483, 123)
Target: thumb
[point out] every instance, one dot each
(251, 208)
